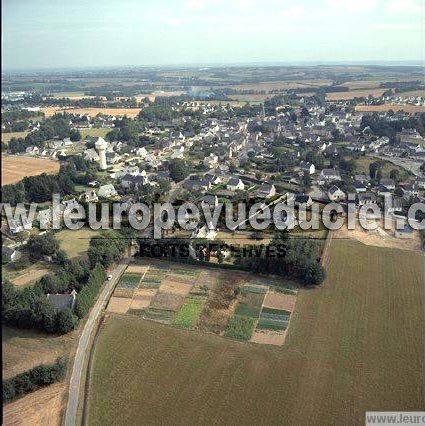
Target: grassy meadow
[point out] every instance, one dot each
(75, 243)
(355, 344)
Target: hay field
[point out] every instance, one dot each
(355, 344)
(97, 132)
(130, 112)
(411, 109)
(280, 85)
(22, 350)
(75, 242)
(14, 168)
(341, 96)
(6, 137)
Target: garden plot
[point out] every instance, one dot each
(119, 305)
(277, 300)
(279, 285)
(143, 298)
(254, 288)
(244, 319)
(151, 280)
(175, 287)
(240, 327)
(187, 272)
(167, 301)
(206, 281)
(160, 315)
(189, 313)
(127, 285)
(180, 278)
(267, 337)
(249, 305)
(137, 269)
(273, 319)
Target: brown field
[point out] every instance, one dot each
(24, 349)
(280, 85)
(355, 344)
(414, 93)
(276, 300)
(136, 269)
(411, 109)
(130, 112)
(14, 169)
(152, 96)
(176, 278)
(167, 301)
(143, 298)
(265, 337)
(43, 407)
(362, 84)
(380, 238)
(175, 287)
(340, 96)
(119, 305)
(248, 98)
(34, 273)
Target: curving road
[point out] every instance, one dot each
(83, 344)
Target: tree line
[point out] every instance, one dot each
(31, 380)
(299, 262)
(39, 189)
(56, 126)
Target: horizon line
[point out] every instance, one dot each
(377, 62)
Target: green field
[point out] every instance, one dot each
(97, 132)
(6, 137)
(364, 162)
(355, 344)
(75, 243)
(189, 313)
(129, 281)
(240, 327)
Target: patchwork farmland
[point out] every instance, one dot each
(347, 352)
(230, 304)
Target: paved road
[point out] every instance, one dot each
(83, 344)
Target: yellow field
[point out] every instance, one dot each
(411, 109)
(75, 243)
(340, 96)
(130, 112)
(283, 85)
(72, 95)
(6, 137)
(98, 132)
(14, 169)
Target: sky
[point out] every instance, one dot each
(81, 33)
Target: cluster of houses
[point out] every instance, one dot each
(221, 145)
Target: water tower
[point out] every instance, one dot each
(101, 149)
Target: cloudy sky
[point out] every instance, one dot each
(78, 33)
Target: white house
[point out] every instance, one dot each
(328, 175)
(234, 184)
(307, 167)
(266, 190)
(107, 191)
(335, 194)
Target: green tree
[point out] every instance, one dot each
(65, 321)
